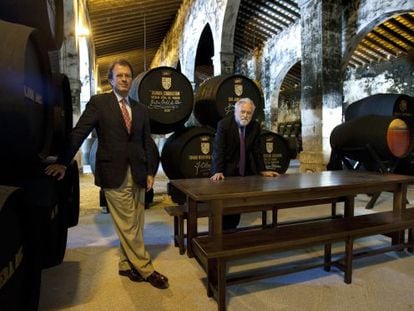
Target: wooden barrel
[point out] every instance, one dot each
(168, 95)
(69, 195)
(43, 192)
(398, 105)
(25, 109)
(187, 153)
(61, 100)
(275, 150)
(19, 262)
(44, 15)
(388, 137)
(215, 98)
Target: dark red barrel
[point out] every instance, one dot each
(215, 97)
(19, 260)
(25, 109)
(44, 15)
(275, 150)
(168, 95)
(187, 153)
(388, 137)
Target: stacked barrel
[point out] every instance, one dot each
(35, 118)
(377, 134)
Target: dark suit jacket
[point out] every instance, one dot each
(226, 148)
(116, 149)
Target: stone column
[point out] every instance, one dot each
(321, 97)
(69, 60)
(227, 62)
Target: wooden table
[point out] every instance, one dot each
(251, 193)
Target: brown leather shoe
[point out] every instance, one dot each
(158, 280)
(132, 274)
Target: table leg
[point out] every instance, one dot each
(399, 204)
(349, 206)
(191, 225)
(216, 218)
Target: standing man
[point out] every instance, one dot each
(236, 150)
(124, 163)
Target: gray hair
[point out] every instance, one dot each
(244, 100)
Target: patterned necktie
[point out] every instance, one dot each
(125, 115)
(242, 162)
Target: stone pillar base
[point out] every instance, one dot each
(311, 162)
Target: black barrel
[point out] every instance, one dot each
(168, 95)
(46, 211)
(25, 109)
(275, 150)
(398, 105)
(69, 195)
(43, 192)
(388, 137)
(45, 15)
(215, 97)
(187, 153)
(19, 259)
(61, 99)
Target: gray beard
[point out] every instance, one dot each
(244, 122)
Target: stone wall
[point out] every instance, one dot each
(395, 76)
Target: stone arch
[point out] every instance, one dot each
(359, 26)
(203, 64)
(274, 97)
(204, 12)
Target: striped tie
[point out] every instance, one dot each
(125, 115)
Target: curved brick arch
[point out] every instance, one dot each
(202, 13)
(365, 17)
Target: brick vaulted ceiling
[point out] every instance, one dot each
(130, 29)
(134, 29)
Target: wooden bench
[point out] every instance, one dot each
(214, 252)
(180, 214)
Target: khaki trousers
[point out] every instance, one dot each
(127, 205)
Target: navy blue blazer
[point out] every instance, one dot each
(226, 148)
(116, 149)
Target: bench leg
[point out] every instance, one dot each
(274, 217)
(264, 219)
(221, 284)
(180, 234)
(211, 276)
(411, 240)
(333, 210)
(327, 257)
(176, 231)
(349, 245)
